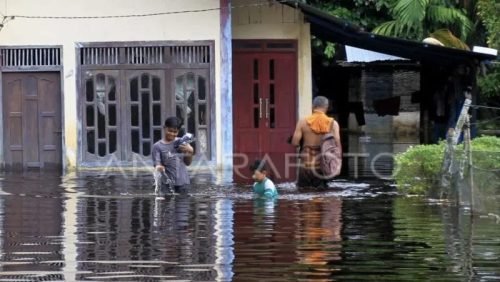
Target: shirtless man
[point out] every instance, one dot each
(309, 130)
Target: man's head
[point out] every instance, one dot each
(320, 103)
(171, 127)
(259, 170)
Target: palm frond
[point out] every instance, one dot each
(450, 16)
(466, 25)
(410, 11)
(439, 14)
(399, 29)
(390, 28)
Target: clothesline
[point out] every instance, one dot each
(485, 107)
(485, 121)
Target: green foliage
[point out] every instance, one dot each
(410, 13)
(489, 84)
(418, 169)
(486, 152)
(488, 11)
(364, 13)
(450, 17)
(416, 19)
(388, 28)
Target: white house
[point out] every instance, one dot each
(88, 83)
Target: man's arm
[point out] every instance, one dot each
(297, 135)
(187, 152)
(336, 132)
(156, 155)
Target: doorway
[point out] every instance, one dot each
(265, 108)
(128, 89)
(32, 120)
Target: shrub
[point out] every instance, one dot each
(486, 153)
(418, 169)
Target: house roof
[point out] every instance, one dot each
(333, 29)
(354, 54)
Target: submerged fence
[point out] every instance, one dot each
(474, 185)
(470, 177)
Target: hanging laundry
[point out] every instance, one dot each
(389, 106)
(359, 112)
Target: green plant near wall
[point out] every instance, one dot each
(418, 169)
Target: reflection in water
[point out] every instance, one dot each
(224, 240)
(263, 239)
(173, 237)
(31, 227)
(320, 233)
(70, 229)
(114, 229)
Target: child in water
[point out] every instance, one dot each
(263, 186)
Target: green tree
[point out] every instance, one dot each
(366, 14)
(488, 11)
(417, 19)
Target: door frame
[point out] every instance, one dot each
(22, 66)
(168, 67)
(267, 46)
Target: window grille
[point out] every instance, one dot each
(30, 57)
(99, 56)
(190, 54)
(145, 55)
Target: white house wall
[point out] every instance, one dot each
(263, 19)
(66, 32)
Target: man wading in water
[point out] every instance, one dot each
(310, 130)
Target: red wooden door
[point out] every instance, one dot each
(32, 120)
(264, 98)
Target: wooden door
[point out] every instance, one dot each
(264, 98)
(32, 120)
(279, 84)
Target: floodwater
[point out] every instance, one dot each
(112, 228)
